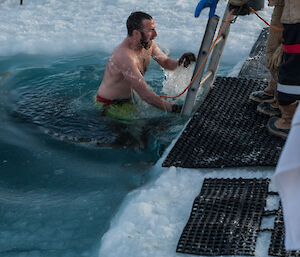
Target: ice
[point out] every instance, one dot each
(151, 220)
(63, 27)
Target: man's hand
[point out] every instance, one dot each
(176, 108)
(186, 59)
(212, 4)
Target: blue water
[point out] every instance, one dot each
(64, 168)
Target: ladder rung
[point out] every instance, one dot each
(220, 39)
(206, 77)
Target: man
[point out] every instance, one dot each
(129, 62)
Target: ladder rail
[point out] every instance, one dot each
(214, 63)
(191, 102)
(205, 46)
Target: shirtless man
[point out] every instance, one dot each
(129, 62)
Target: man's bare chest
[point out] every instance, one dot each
(143, 61)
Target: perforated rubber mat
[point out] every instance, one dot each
(277, 239)
(225, 218)
(227, 131)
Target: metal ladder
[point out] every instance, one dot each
(206, 83)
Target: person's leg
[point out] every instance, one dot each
(288, 81)
(274, 40)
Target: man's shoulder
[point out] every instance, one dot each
(121, 58)
(122, 54)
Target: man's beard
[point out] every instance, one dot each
(144, 42)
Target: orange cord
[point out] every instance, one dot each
(205, 59)
(271, 26)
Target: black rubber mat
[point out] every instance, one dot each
(225, 218)
(227, 131)
(277, 239)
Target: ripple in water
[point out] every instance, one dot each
(60, 100)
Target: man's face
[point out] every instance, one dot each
(148, 33)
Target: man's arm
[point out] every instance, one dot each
(137, 82)
(169, 63)
(162, 59)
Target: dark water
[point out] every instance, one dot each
(64, 168)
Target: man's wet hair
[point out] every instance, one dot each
(134, 21)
